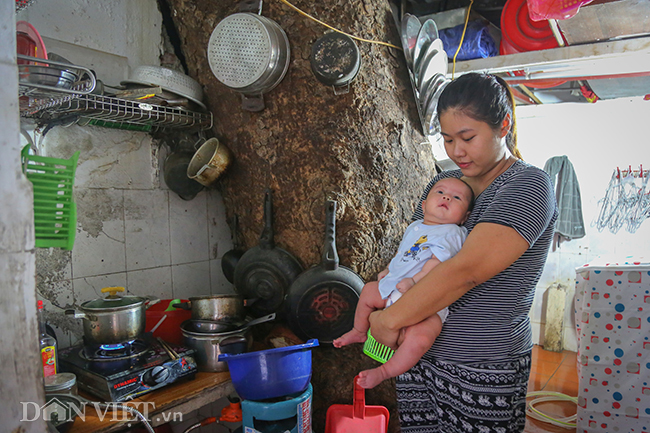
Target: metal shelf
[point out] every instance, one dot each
(47, 105)
(114, 112)
(623, 58)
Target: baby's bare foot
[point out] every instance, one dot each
(371, 378)
(350, 337)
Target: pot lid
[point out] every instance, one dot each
(335, 59)
(113, 300)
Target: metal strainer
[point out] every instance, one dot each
(249, 53)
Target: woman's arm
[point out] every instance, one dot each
(409, 282)
(489, 249)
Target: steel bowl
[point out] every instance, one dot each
(47, 75)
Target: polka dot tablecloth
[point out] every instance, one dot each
(612, 304)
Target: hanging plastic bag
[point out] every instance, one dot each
(477, 43)
(540, 10)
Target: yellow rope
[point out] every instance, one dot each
(337, 30)
(462, 37)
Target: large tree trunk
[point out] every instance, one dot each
(363, 149)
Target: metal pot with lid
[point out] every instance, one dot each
(335, 61)
(113, 319)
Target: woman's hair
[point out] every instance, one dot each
(483, 97)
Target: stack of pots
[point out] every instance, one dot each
(217, 326)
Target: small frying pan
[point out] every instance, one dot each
(265, 272)
(321, 302)
(230, 258)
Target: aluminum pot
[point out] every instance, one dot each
(114, 319)
(208, 346)
(215, 307)
(209, 162)
(249, 53)
(204, 326)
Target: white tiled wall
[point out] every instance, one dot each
(134, 233)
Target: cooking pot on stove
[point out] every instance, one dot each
(114, 319)
(209, 345)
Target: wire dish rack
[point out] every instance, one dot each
(55, 105)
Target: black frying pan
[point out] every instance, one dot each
(265, 272)
(322, 300)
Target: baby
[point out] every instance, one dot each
(425, 244)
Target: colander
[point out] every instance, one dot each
(169, 80)
(249, 53)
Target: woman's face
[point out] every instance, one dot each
(473, 145)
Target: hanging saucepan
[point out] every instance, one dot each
(265, 272)
(321, 302)
(175, 175)
(114, 319)
(249, 53)
(335, 61)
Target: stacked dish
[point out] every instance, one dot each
(169, 80)
(211, 338)
(54, 76)
(427, 62)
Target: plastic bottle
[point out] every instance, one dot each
(49, 352)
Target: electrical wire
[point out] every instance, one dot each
(568, 422)
(462, 38)
(340, 31)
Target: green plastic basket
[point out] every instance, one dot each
(55, 212)
(377, 351)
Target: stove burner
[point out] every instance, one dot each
(115, 346)
(114, 352)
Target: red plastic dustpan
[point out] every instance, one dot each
(356, 418)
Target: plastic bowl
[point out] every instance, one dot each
(271, 373)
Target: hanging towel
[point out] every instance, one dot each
(569, 222)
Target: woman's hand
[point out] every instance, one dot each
(380, 332)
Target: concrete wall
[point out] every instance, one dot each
(19, 357)
(132, 231)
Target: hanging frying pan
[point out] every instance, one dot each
(322, 300)
(265, 272)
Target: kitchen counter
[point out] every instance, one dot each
(163, 405)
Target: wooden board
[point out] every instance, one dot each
(164, 405)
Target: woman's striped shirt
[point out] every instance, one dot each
(491, 321)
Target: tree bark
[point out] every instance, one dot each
(364, 149)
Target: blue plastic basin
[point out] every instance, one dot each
(271, 373)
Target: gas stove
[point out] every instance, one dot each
(126, 371)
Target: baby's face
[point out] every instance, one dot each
(447, 203)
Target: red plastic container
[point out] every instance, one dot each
(170, 328)
(357, 417)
